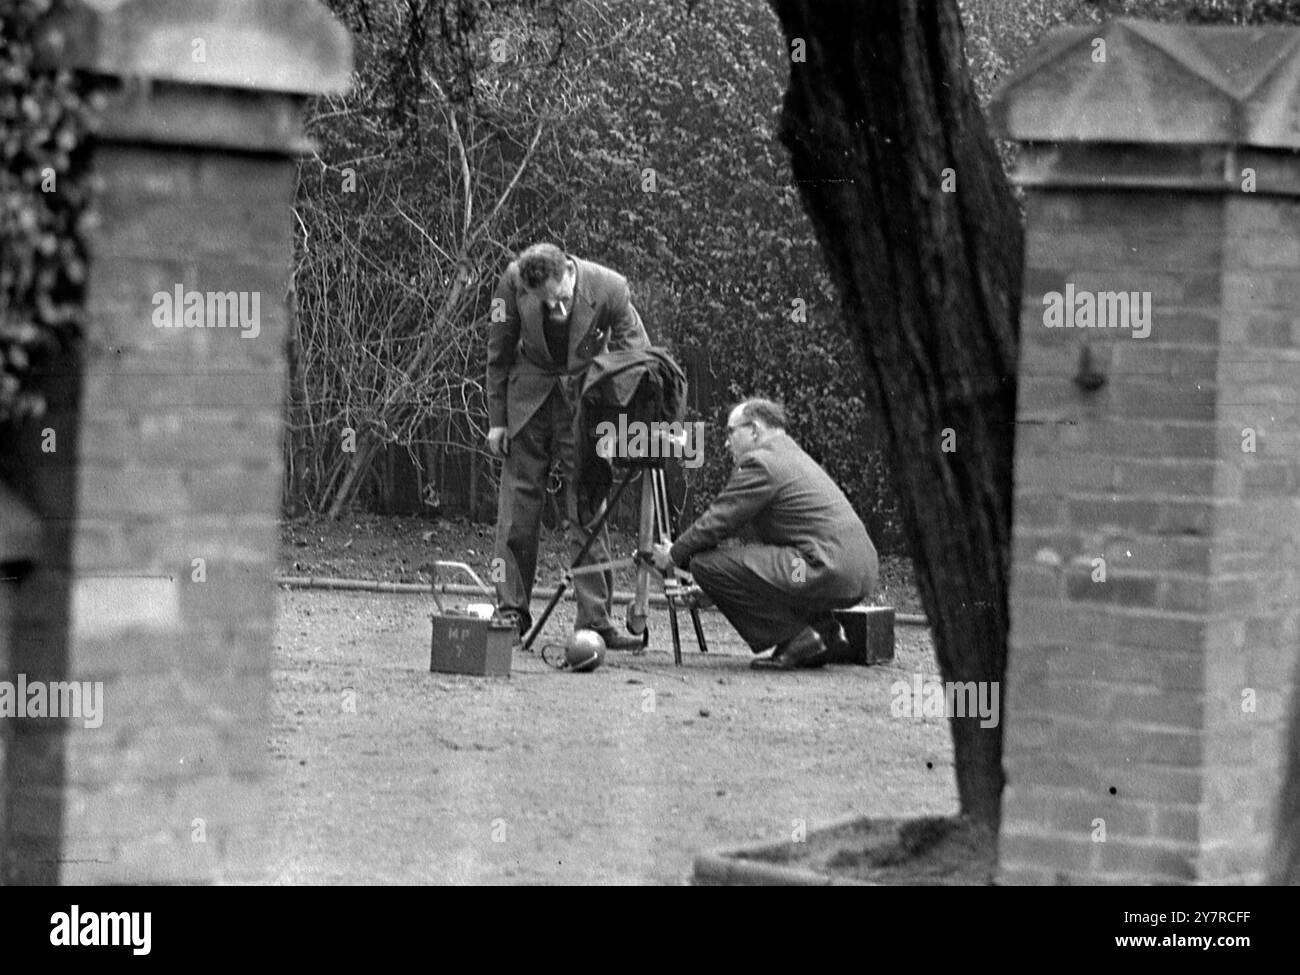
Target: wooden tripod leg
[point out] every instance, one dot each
(666, 509)
(637, 609)
(699, 629)
(531, 636)
(677, 635)
(664, 532)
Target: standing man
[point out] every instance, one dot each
(551, 314)
(813, 553)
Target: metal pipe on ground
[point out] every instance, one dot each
(463, 589)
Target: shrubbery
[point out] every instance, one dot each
(641, 136)
(43, 118)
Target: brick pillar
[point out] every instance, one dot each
(1156, 564)
(162, 495)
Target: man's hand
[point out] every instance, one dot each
(498, 442)
(660, 557)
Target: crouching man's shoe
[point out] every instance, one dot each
(832, 634)
(805, 649)
(614, 640)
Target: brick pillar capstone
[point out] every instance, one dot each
(1155, 584)
(161, 494)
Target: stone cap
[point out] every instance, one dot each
(293, 46)
(1159, 83)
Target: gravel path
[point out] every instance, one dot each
(387, 773)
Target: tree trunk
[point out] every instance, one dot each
(929, 283)
(472, 459)
(1286, 837)
(358, 465)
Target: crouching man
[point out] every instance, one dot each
(813, 553)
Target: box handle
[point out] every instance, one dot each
(433, 568)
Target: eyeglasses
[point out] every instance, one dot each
(738, 426)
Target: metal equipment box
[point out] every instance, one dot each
(465, 642)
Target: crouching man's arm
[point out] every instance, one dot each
(748, 492)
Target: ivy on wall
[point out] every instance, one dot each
(44, 116)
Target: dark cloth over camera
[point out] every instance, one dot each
(623, 388)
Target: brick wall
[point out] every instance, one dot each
(1104, 679)
(1157, 493)
(1131, 749)
(1257, 556)
(1130, 753)
(178, 459)
(168, 451)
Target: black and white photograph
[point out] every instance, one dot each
(651, 443)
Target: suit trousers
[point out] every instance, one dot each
(764, 610)
(548, 436)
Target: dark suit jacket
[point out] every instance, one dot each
(520, 371)
(791, 503)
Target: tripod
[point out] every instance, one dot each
(656, 524)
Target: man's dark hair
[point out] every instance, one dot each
(772, 415)
(541, 263)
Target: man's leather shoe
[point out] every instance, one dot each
(805, 649)
(614, 640)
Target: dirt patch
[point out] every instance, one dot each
(949, 850)
(387, 773)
